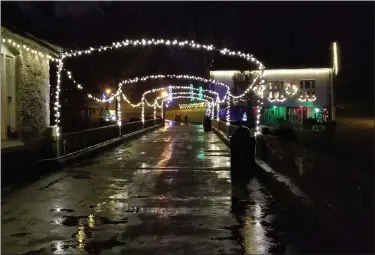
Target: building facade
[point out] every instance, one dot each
(292, 95)
(25, 87)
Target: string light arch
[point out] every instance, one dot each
(153, 42)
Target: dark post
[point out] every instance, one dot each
(242, 146)
(207, 124)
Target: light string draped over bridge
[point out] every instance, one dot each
(174, 96)
(145, 78)
(154, 43)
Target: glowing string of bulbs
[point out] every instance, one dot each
(168, 43)
(207, 99)
(145, 78)
(25, 48)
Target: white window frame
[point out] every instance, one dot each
(276, 86)
(9, 89)
(307, 91)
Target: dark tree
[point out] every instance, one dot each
(241, 81)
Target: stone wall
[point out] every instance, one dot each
(32, 89)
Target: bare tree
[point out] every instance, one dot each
(241, 81)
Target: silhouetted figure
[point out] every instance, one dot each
(242, 150)
(186, 119)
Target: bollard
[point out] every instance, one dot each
(242, 150)
(204, 123)
(208, 124)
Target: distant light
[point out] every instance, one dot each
(317, 110)
(335, 58)
(164, 93)
(267, 72)
(108, 91)
(113, 117)
(274, 106)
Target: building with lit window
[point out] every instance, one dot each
(293, 95)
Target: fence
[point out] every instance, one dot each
(75, 141)
(344, 190)
(221, 125)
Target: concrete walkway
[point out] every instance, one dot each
(168, 192)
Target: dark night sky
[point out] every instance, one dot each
(282, 35)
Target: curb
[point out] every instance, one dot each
(311, 212)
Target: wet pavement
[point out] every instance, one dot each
(168, 192)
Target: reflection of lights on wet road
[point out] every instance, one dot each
(91, 221)
(81, 237)
(166, 156)
(120, 195)
(201, 153)
(255, 240)
(145, 165)
(58, 221)
(223, 174)
(59, 247)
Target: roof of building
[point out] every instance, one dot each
(53, 48)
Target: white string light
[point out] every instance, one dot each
(186, 95)
(178, 76)
(291, 89)
(172, 43)
(208, 110)
(276, 99)
(25, 48)
(309, 99)
(143, 111)
(57, 98)
(193, 105)
(228, 110)
(119, 118)
(80, 87)
(167, 43)
(217, 109)
(154, 110)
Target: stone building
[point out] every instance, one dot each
(25, 87)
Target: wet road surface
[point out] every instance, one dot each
(169, 192)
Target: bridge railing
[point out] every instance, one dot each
(75, 141)
(222, 125)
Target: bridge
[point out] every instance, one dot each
(167, 192)
(157, 186)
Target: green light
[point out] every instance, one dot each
(274, 107)
(200, 94)
(317, 110)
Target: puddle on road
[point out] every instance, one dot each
(62, 210)
(75, 221)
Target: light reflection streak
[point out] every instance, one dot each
(255, 240)
(81, 236)
(59, 245)
(166, 156)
